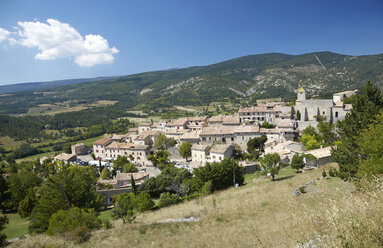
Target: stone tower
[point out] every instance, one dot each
(301, 95)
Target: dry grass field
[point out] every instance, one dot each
(331, 213)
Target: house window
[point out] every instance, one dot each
(219, 158)
(203, 139)
(232, 139)
(336, 114)
(323, 112)
(223, 140)
(213, 157)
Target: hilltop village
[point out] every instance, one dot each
(215, 139)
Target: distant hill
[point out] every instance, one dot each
(43, 85)
(249, 77)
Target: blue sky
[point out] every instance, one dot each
(127, 37)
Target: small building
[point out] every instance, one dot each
(178, 124)
(323, 157)
(199, 155)
(80, 149)
(66, 158)
(144, 127)
(196, 123)
(123, 180)
(338, 97)
(220, 152)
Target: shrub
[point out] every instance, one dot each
(331, 172)
(3, 223)
(80, 234)
(74, 220)
(302, 189)
(324, 174)
(107, 224)
(207, 188)
(167, 199)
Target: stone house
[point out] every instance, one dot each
(80, 149)
(199, 155)
(268, 112)
(99, 147)
(219, 152)
(144, 127)
(138, 152)
(66, 158)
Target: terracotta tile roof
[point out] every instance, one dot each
(347, 106)
(65, 156)
(247, 129)
(230, 119)
(200, 147)
(321, 153)
(118, 145)
(269, 107)
(177, 122)
(197, 118)
(221, 130)
(130, 146)
(220, 148)
(265, 130)
(127, 176)
(147, 133)
(190, 135)
(104, 141)
(217, 118)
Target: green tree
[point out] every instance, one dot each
(185, 150)
(133, 184)
(129, 168)
(119, 164)
(256, 145)
(310, 142)
(20, 184)
(127, 204)
(3, 222)
(27, 204)
(159, 158)
(72, 186)
(270, 163)
(326, 132)
(370, 142)
(106, 174)
(160, 142)
(167, 199)
(267, 125)
(64, 221)
(67, 148)
(297, 162)
(222, 175)
(364, 110)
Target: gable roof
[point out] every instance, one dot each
(104, 141)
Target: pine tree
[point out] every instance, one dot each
(133, 183)
(367, 106)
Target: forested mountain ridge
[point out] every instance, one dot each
(4, 89)
(256, 76)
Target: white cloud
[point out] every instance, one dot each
(55, 39)
(4, 34)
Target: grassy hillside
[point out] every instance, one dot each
(261, 214)
(255, 76)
